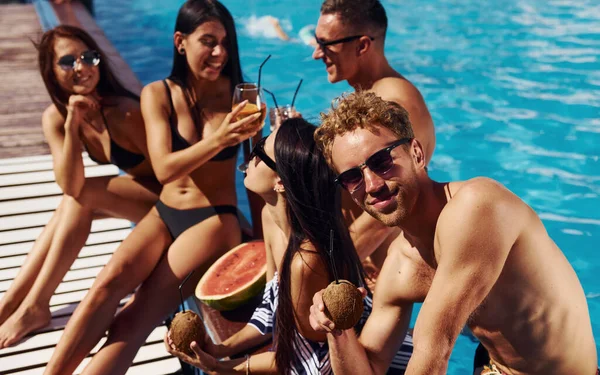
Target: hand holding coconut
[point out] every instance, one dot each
(185, 336)
(197, 357)
(337, 307)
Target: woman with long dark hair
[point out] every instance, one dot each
(302, 206)
(193, 142)
(90, 108)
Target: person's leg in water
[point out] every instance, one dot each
(194, 250)
(130, 265)
(46, 266)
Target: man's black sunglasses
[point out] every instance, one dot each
(347, 39)
(89, 58)
(259, 152)
(380, 163)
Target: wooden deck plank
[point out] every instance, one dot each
(25, 159)
(21, 206)
(163, 367)
(20, 118)
(39, 164)
(79, 264)
(29, 191)
(48, 176)
(30, 234)
(36, 167)
(25, 220)
(93, 239)
(86, 251)
(42, 356)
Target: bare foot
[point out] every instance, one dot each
(7, 308)
(22, 322)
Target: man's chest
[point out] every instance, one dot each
(410, 276)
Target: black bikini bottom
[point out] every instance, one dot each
(178, 221)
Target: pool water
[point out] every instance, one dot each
(513, 88)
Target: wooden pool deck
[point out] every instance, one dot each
(29, 194)
(23, 96)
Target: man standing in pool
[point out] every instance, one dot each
(472, 251)
(350, 37)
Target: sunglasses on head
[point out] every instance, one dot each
(89, 58)
(259, 152)
(379, 163)
(323, 44)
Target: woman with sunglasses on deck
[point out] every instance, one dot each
(302, 204)
(193, 141)
(90, 111)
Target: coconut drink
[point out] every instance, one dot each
(186, 328)
(343, 304)
(342, 299)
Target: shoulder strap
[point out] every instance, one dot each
(170, 97)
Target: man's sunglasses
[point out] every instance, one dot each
(259, 152)
(323, 44)
(380, 163)
(89, 58)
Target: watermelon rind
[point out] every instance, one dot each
(234, 299)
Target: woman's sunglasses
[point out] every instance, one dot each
(89, 58)
(380, 163)
(259, 152)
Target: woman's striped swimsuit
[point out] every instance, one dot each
(312, 358)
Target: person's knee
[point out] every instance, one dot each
(112, 282)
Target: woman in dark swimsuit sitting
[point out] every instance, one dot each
(90, 108)
(192, 142)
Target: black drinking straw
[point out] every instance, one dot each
(272, 96)
(181, 286)
(260, 70)
(331, 256)
(296, 93)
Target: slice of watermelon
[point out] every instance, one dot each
(234, 278)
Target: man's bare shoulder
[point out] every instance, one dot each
(484, 201)
(397, 89)
(479, 190)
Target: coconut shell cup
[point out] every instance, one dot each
(187, 327)
(343, 304)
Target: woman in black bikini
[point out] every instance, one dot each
(90, 108)
(192, 142)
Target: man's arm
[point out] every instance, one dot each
(385, 329)
(474, 238)
(379, 341)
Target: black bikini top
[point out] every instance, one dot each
(122, 158)
(179, 143)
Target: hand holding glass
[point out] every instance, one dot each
(256, 103)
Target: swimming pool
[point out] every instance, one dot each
(513, 87)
